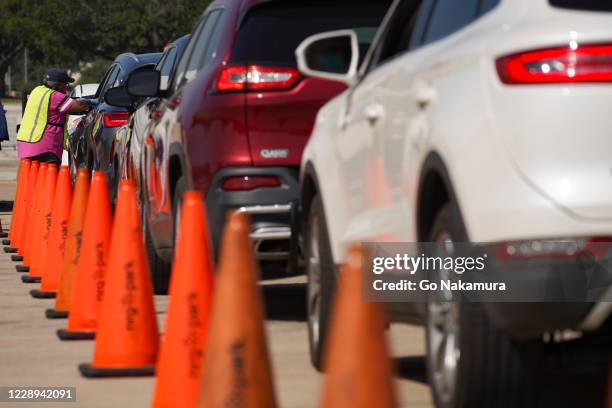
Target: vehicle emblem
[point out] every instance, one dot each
(274, 153)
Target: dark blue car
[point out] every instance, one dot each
(103, 121)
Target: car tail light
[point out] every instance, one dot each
(256, 78)
(250, 183)
(115, 119)
(587, 63)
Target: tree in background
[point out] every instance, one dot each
(77, 33)
(11, 36)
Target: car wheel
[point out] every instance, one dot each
(160, 269)
(321, 276)
(469, 363)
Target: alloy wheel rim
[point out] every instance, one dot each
(443, 334)
(314, 283)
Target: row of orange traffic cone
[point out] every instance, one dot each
(214, 350)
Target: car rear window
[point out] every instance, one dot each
(585, 5)
(270, 33)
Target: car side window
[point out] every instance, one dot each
(196, 62)
(181, 68)
(215, 39)
(400, 30)
(105, 80)
(110, 80)
(165, 68)
(487, 5)
(449, 16)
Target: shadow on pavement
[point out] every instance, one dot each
(412, 368)
(285, 302)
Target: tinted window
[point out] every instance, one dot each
(587, 5)
(165, 67)
(421, 23)
(401, 28)
(105, 80)
(110, 80)
(271, 32)
(182, 64)
(449, 16)
(488, 5)
(215, 39)
(196, 62)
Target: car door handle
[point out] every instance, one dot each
(374, 112)
(425, 96)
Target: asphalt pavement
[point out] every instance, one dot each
(32, 355)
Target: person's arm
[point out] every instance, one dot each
(78, 106)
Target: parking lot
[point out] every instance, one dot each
(445, 162)
(32, 355)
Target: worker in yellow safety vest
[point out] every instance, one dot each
(42, 133)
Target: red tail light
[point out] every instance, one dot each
(587, 63)
(250, 183)
(256, 78)
(115, 119)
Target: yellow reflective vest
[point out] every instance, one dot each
(35, 117)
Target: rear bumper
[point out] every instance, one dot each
(272, 210)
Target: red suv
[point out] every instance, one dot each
(236, 118)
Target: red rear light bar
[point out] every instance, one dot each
(246, 183)
(256, 78)
(115, 119)
(585, 63)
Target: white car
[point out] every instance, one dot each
(479, 121)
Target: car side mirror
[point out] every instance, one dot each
(331, 55)
(118, 96)
(143, 82)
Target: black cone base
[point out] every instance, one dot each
(16, 258)
(42, 294)
(64, 334)
(22, 268)
(87, 370)
(10, 250)
(30, 279)
(56, 314)
(6, 242)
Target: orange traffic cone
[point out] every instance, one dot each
(16, 202)
(41, 234)
(35, 208)
(27, 201)
(18, 206)
(72, 247)
(179, 367)
(88, 283)
(237, 369)
(127, 336)
(52, 262)
(24, 176)
(357, 363)
(27, 210)
(33, 221)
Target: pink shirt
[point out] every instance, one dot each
(53, 136)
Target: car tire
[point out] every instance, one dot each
(160, 269)
(491, 369)
(321, 277)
